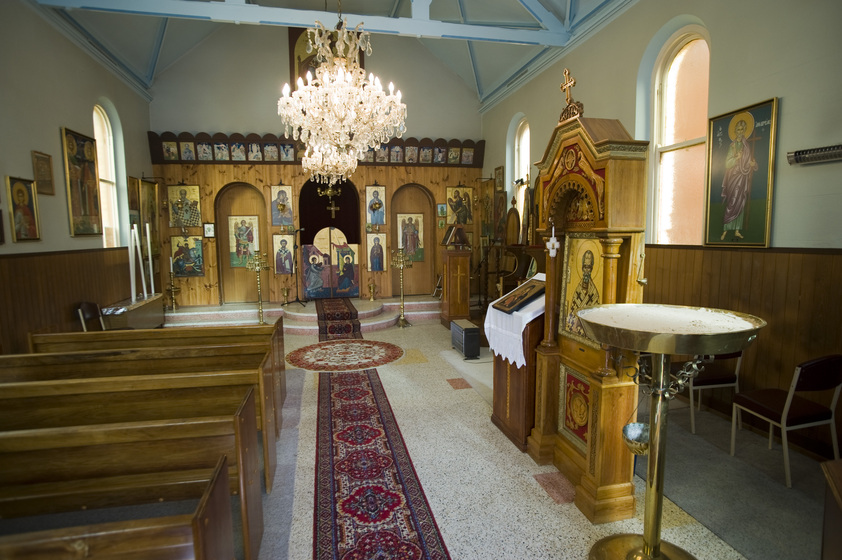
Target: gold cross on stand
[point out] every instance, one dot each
(257, 264)
(401, 260)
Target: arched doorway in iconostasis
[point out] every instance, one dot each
(329, 252)
(241, 233)
(413, 216)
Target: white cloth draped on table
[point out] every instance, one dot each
(505, 330)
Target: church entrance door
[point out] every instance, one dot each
(416, 202)
(240, 211)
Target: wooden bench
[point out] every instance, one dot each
(272, 335)
(68, 468)
(206, 534)
(181, 367)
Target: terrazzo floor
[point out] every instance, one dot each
(482, 490)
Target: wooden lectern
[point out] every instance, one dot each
(456, 276)
(513, 405)
(592, 192)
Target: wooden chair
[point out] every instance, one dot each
(789, 411)
(89, 311)
(718, 371)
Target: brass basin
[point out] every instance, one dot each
(670, 329)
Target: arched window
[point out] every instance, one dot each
(107, 178)
(522, 162)
(679, 132)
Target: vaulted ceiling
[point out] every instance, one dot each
(492, 45)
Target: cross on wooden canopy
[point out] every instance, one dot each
(567, 85)
(573, 108)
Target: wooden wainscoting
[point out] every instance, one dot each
(797, 292)
(40, 291)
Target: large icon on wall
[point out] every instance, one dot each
(741, 163)
(459, 205)
(282, 246)
(376, 245)
(187, 258)
(282, 205)
(375, 203)
(243, 239)
(184, 206)
(23, 209)
(411, 236)
(82, 180)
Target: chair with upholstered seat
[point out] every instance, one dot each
(88, 311)
(718, 371)
(789, 411)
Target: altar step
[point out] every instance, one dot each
(302, 319)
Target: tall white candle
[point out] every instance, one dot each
(171, 265)
(139, 256)
(553, 232)
(132, 279)
(149, 254)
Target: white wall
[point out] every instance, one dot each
(231, 82)
(49, 83)
(759, 49)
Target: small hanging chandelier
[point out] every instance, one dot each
(340, 114)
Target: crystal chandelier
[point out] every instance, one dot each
(339, 114)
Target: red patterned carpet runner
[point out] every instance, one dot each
(369, 502)
(337, 319)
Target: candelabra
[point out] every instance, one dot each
(257, 264)
(401, 261)
(372, 286)
(172, 291)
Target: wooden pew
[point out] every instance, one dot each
(209, 365)
(50, 470)
(272, 335)
(206, 534)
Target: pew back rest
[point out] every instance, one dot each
(56, 469)
(206, 534)
(150, 338)
(130, 361)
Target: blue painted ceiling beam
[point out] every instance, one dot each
(231, 12)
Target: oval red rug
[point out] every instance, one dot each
(344, 355)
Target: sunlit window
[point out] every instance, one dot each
(107, 178)
(680, 132)
(522, 163)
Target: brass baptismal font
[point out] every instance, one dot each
(661, 331)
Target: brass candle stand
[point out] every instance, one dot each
(257, 264)
(372, 287)
(401, 261)
(172, 290)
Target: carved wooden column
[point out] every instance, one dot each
(541, 441)
(610, 255)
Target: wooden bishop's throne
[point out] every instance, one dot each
(591, 187)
